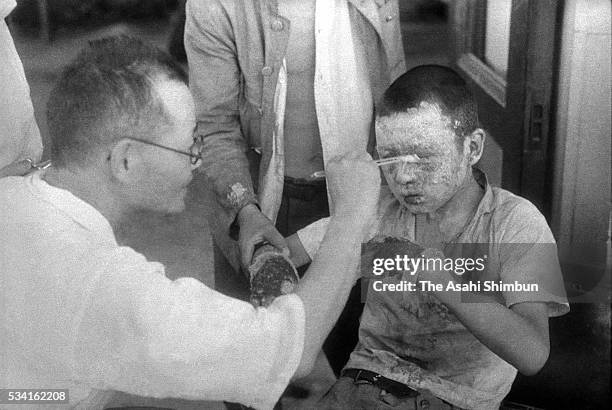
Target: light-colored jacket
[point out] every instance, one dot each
(236, 50)
(19, 134)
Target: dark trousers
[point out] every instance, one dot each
(357, 395)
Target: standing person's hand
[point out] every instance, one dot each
(256, 228)
(354, 187)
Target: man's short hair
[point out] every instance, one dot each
(106, 93)
(434, 84)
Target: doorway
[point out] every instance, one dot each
(506, 49)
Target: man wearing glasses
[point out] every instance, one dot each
(82, 313)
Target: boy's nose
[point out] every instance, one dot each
(405, 173)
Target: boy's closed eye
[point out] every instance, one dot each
(414, 158)
(389, 153)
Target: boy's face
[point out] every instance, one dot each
(436, 166)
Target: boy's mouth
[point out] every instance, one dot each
(414, 199)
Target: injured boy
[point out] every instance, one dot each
(428, 345)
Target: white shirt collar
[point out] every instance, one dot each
(75, 208)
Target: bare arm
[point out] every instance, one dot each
(298, 254)
(518, 335)
(354, 187)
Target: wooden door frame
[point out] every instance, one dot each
(527, 91)
(542, 69)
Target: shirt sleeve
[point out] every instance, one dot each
(528, 256)
(144, 334)
(214, 80)
(19, 134)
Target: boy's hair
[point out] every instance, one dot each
(437, 85)
(106, 93)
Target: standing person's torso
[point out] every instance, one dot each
(303, 152)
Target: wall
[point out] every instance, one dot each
(582, 190)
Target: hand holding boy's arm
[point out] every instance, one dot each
(256, 228)
(518, 334)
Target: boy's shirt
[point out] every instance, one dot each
(413, 338)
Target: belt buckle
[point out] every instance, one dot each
(372, 380)
(358, 380)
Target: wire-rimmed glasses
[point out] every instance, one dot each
(195, 151)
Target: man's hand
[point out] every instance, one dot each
(255, 228)
(354, 186)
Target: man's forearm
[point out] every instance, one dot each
(214, 80)
(299, 255)
(226, 166)
(327, 283)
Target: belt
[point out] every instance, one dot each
(397, 389)
(304, 189)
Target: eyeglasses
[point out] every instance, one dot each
(195, 151)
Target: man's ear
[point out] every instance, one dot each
(124, 160)
(475, 141)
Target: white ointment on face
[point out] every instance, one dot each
(434, 167)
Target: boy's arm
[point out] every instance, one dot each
(517, 328)
(304, 244)
(518, 334)
(298, 254)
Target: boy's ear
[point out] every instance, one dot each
(475, 143)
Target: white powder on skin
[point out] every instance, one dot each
(427, 184)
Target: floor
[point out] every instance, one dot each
(182, 242)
